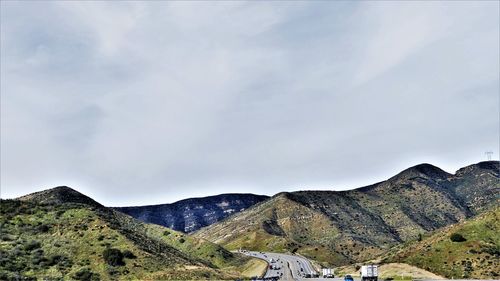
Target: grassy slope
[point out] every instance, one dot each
(403, 271)
(478, 257)
(397, 271)
(279, 225)
(215, 255)
(285, 225)
(256, 267)
(58, 241)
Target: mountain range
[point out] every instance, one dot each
(425, 217)
(62, 234)
(343, 227)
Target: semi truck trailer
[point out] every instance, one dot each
(328, 273)
(369, 272)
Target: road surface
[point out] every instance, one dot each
(289, 267)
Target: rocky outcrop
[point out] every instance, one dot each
(192, 214)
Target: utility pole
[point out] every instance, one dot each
(488, 154)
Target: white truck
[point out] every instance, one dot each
(369, 272)
(328, 273)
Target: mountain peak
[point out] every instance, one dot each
(423, 170)
(283, 194)
(60, 195)
(493, 166)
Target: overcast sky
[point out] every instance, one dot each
(143, 103)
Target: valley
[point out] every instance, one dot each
(343, 140)
(345, 227)
(423, 222)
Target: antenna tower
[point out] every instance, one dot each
(489, 154)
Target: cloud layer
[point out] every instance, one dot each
(137, 103)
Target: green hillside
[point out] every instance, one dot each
(343, 227)
(469, 250)
(282, 225)
(48, 235)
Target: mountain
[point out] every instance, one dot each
(342, 227)
(192, 214)
(63, 234)
(468, 250)
(60, 195)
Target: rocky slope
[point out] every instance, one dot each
(62, 234)
(192, 214)
(348, 226)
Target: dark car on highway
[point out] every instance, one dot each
(348, 278)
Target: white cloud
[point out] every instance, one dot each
(395, 32)
(148, 103)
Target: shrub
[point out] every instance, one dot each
(182, 240)
(63, 261)
(7, 237)
(457, 237)
(31, 245)
(166, 233)
(113, 257)
(86, 275)
(112, 271)
(39, 260)
(59, 213)
(43, 228)
(129, 255)
(64, 264)
(37, 252)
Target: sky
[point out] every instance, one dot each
(137, 103)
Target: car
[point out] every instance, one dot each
(348, 278)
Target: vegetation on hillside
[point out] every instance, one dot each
(74, 241)
(338, 228)
(62, 234)
(469, 250)
(283, 225)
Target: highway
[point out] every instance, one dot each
(288, 267)
(291, 267)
